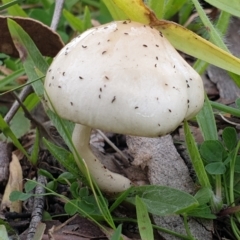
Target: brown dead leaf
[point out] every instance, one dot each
(15, 183)
(48, 42)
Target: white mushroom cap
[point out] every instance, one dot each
(124, 77)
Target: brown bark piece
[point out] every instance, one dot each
(166, 168)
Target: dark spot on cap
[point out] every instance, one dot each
(104, 52)
(49, 84)
(126, 33)
(169, 110)
(100, 89)
(49, 70)
(188, 86)
(59, 87)
(125, 22)
(188, 101)
(71, 103)
(157, 58)
(52, 77)
(136, 107)
(84, 46)
(63, 73)
(80, 77)
(161, 34)
(144, 45)
(155, 65)
(114, 98)
(107, 77)
(99, 96)
(157, 45)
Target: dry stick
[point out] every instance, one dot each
(22, 96)
(37, 207)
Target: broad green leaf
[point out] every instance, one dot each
(19, 196)
(144, 222)
(229, 136)
(216, 168)
(207, 121)
(162, 200)
(33, 62)
(70, 207)
(212, 151)
(232, 6)
(46, 174)
(30, 185)
(196, 158)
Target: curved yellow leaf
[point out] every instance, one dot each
(194, 45)
(135, 10)
(180, 37)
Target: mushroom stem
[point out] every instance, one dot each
(106, 180)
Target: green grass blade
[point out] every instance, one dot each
(8, 133)
(232, 6)
(144, 222)
(196, 158)
(206, 121)
(30, 55)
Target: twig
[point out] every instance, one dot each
(22, 96)
(38, 207)
(57, 14)
(113, 146)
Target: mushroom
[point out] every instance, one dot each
(122, 77)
